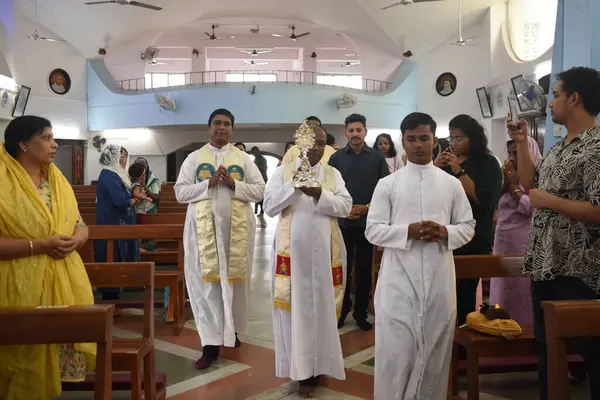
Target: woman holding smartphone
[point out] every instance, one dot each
(472, 163)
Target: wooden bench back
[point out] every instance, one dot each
(110, 233)
(160, 219)
(74, 324)
(563, 320)
(488, 266)
(136, 275)
(484, 266)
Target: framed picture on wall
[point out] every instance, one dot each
(484, 102)
(445, 84)
(21, 101)
(59, 82)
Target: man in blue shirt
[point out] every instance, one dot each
(361, 167)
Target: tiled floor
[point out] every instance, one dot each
(248, 372)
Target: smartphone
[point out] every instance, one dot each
(513, 117)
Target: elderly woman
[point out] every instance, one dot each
(114, 206)
(40, 231)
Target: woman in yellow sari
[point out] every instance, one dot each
(40, 233)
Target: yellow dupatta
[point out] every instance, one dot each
(32, 372)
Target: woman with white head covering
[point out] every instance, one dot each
(115, 207)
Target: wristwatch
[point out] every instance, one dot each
(461, 173)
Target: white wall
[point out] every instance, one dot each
(3, 125)
(31, 63)
(470, 65)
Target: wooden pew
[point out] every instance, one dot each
(90, 208)
(129, 354)
(480, 345)
(174, 279)
(75, 324)
(564, 320)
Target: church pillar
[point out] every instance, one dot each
(575, 44)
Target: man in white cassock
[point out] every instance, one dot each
(308, 268)
(419, 215)
(218, 182)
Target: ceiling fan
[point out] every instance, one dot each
(350, 63)
(293, 36)
(461, 42)
(255, 53)
(156, 62)
(36, 35)
(406, 3)
(125, 3)
(214, 37)
(253, 63)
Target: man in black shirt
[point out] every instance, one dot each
(361, 167)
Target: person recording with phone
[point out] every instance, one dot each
(472, 163)
(563, 253)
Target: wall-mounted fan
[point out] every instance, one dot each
(165, 102)
(255, 52)
(530, 96)
(125, 3)
(98, 141)
(150, 54)
(407, 2)
(346, 100)
(293, 36)
(254, 63)
(213, 36)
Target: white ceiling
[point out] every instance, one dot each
(359, 24)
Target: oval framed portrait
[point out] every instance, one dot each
(59, 82)
(445, 84)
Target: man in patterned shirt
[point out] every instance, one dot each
(563, 255)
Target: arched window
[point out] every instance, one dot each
(529, 28)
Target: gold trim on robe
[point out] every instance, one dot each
(283, 283)
(237, 264)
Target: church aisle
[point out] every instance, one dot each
(248, 372)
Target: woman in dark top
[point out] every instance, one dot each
(114, 206)
(470, 160)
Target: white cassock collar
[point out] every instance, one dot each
(223, 150)
(421, 170)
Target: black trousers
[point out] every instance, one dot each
(256, 205)
(356, 243)
(565, 288)
(466, 289)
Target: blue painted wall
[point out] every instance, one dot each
(110, 108)
(576, 43)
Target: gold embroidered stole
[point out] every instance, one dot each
(283, 283)
(237, 264)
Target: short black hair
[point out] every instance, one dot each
(240, 144)
(413, 120)
(313, 118)
(288, 145)
(586, 82)
(254, 148)
(21, 129)
(136, 170)
(330, 139)
(356, 118)
(221, 111)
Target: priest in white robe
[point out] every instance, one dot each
(218, 182)
(308, 270)
(419, 215)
